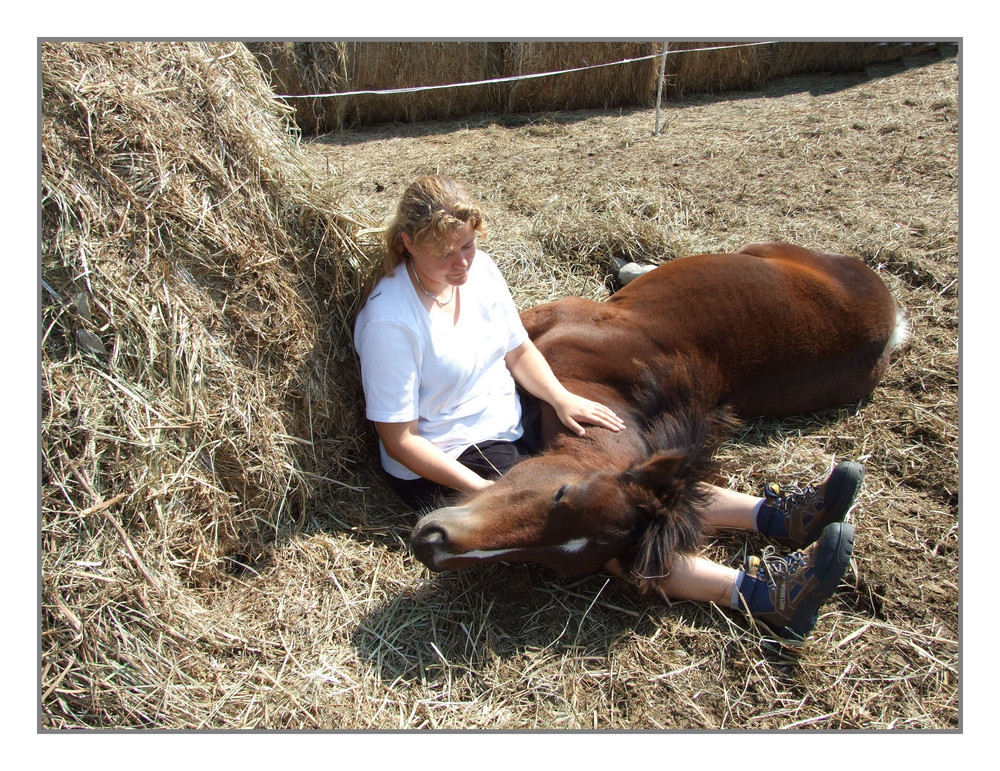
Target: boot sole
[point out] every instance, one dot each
(845, 486)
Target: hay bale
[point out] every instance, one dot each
(623, 85)
(695, 67)
(196, 382)
(279, 63)
(735, 66)
(723, 67)
(334, 67)
(317, 68)
(308, 68)
(378, 66)
(796, 57)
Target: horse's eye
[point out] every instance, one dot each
(559, 495)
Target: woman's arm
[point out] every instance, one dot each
(404, 445)
(534, 374)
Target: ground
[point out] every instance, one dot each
(861, 163)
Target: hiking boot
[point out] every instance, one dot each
(785, 593)
(796, 516)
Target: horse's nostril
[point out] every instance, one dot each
(426, 541)
(426, 536)
(432, 535)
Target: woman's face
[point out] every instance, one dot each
(444, 263)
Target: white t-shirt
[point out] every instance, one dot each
(451, 379)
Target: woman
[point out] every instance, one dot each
(442, 350)
(445, 363)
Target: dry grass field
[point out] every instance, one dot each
(297, 604)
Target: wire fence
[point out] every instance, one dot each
(661, 80)
(513, 78)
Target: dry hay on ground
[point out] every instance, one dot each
(334, 625)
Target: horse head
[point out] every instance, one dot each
(628, 501)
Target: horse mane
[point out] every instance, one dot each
(677, 402)
(675, 416)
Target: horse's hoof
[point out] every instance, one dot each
(631, 271)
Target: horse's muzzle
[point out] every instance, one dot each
(427, 540)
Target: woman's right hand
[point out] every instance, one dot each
(405, 445)
(480, 484)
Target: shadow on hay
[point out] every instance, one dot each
(541, 121)
(467, 619)
(762, 432)
(465, 623)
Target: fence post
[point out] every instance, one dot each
(659, 88)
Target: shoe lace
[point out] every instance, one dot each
(777, 567)
(783, 498)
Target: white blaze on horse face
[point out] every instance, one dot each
(482, 554)
(572, 547)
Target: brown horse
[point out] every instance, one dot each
(771, 330)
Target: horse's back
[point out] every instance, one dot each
(781, 328)
(759, 281)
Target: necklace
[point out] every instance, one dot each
(420, 283)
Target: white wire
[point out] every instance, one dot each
(512, 78)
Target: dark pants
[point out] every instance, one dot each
(491, 460)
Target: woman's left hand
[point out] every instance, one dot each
(533, 373)
(574, 410)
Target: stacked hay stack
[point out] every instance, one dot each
(719, 67)
(324, 68)
(307, 68)
(336, 67)
(379, 66)
(197, 385)
(714, 67)
(793, 58)
(601, 87)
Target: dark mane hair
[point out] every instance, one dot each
(680, 421)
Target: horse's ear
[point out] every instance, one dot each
(657, 472)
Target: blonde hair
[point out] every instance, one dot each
(432, 207)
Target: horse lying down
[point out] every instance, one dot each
(772, 330)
